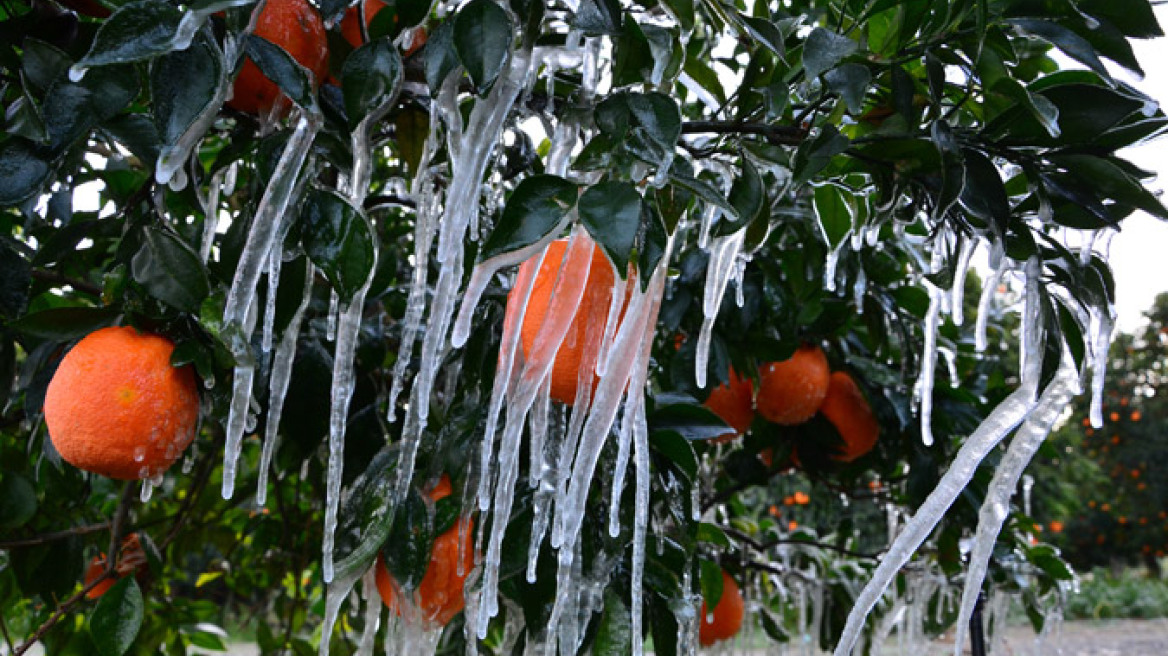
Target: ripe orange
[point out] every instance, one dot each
(727, 616)
(733, 402)
(351, 29)
(789, 392)
(131, 560)
(590, 316)
(295, 26)
(439, 596)
(116, 407)
(845, 407)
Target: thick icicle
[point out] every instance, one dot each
(995, 508)
(957, 294)
(1102, 323)
(723, 256)
(278, 384)
(998, 263)
(923, 391)
(241, 388)
(1004, 418)
(372, 612)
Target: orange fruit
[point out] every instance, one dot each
(131, 560)
(116, 407)
(295, 26)
(789, 392)
(439, 596)
(1056, 526)
(727, 615)
(802, 498)
(845, 407)
(351, 30)
(590, 316)
(733, 402)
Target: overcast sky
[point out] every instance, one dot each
(1139, 253)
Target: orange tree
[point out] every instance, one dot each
(337, 266)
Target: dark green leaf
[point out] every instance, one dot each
(23, 171)
(748, 196)
(170, 270)
(15, 277)
(64, 324)
(137, 30)
(371, 79)
(439, 57)
(1111, 181)
(653, 246)
(984, 195)
(683, 11)
(766, 33)
(851, 82)
(952, 169)
(814, 155)
(42, 64)
(117, 618)
(71, 109)
(338, 241)
(18, 501)
(834, 213)
(688, 419)
(824, 49)
(1064, 39)
(713, 534)
(279, 67)
(412, 129)
(407, 551)
(711, 582)
(183, 85)
(598, 17)
(482, 38)
(614, 636)
(1135, 18)
(534, 209)
(611, 211)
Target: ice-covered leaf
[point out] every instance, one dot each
(648, 124)
(614, 636)
(279, 66)
(23, 170)
(1111, 181)
(170, 270)
(748, 196)
(439, 57)
(766, 33)
(814, 155)
(833, 212)
(370, 79)
(182, 85)
(823, 49)
(536, 206)
(983, 194)
(337, 240)
(71, 109)
(115, 622)
(43, 63)
(598, 17)
(407, 551)
(611, 211)
(137, 30)
(687, 418)
(711, 583)
(1066, 40)
(482, 38)
(851, 82)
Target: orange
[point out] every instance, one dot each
(847, 410)
(116, 407)
(131, 559)
(789, 392)
(439, 596)
(295, 26)
(733, 402)
(727, 615)
(590, 316)
(351, 30)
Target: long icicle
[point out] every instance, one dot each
(1004, 418)
(995, 508)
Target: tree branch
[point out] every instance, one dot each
(54, 536)
(56, 278)
(782, 135)
(768, 545)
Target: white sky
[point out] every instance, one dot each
(1140, 251)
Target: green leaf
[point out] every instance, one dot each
(65, 323)
(614, 636)
(71, 109)
(170, 270)
(117, 618)
(683, 11)
(407, 551)
(676, 449)
(687, 418)
(371, 79)
(15, 278)
(1066, 40)
(482, 38)
(412, 128)
(766, 33)
(611, 211)
(1111, 181)
(1135, 18)
(984, 195)
(439, 57)
(711, 581)
(23, 170)
(534, 209)
(851, 82)
(42, 64)
(183, 85)
(833, 212)
(18, 501)
(713, 534)
(598, 17)
(338, 241)
(824, 49)
(653, 246)
(648, 124)
(952, 169)
(814, 155)
(279, 67)
(137, 30)
(748, 196)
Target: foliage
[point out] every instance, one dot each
(864, 134)
(1103, 595)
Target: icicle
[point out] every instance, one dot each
(275, 260)
(957, 294)
(240, 408)
(994, 509)
(211, 212)
(831, 265)
(425, 226)
(999, 265)
(859, 288)
(723, 253)
(641, 509)
(1007, 415)
(923, 391)
(950, 364)
(1102, 323)
(372, 613)
(330, 331)
(278, 384)
(616, 304)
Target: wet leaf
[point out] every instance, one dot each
(611, 211)
(371, 79)
(337, 239)
(170, 270)
(534, 209)
(482, 38)
(116, 620)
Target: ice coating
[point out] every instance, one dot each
(722, 264)
(923, 391)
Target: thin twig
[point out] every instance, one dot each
(54, 536)
(784, 135)
(61, 279)
(768, 545)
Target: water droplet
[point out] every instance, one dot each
(139, 454)
(77, 72)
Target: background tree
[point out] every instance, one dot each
(331, 251)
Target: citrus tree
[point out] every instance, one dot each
(531, 318)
